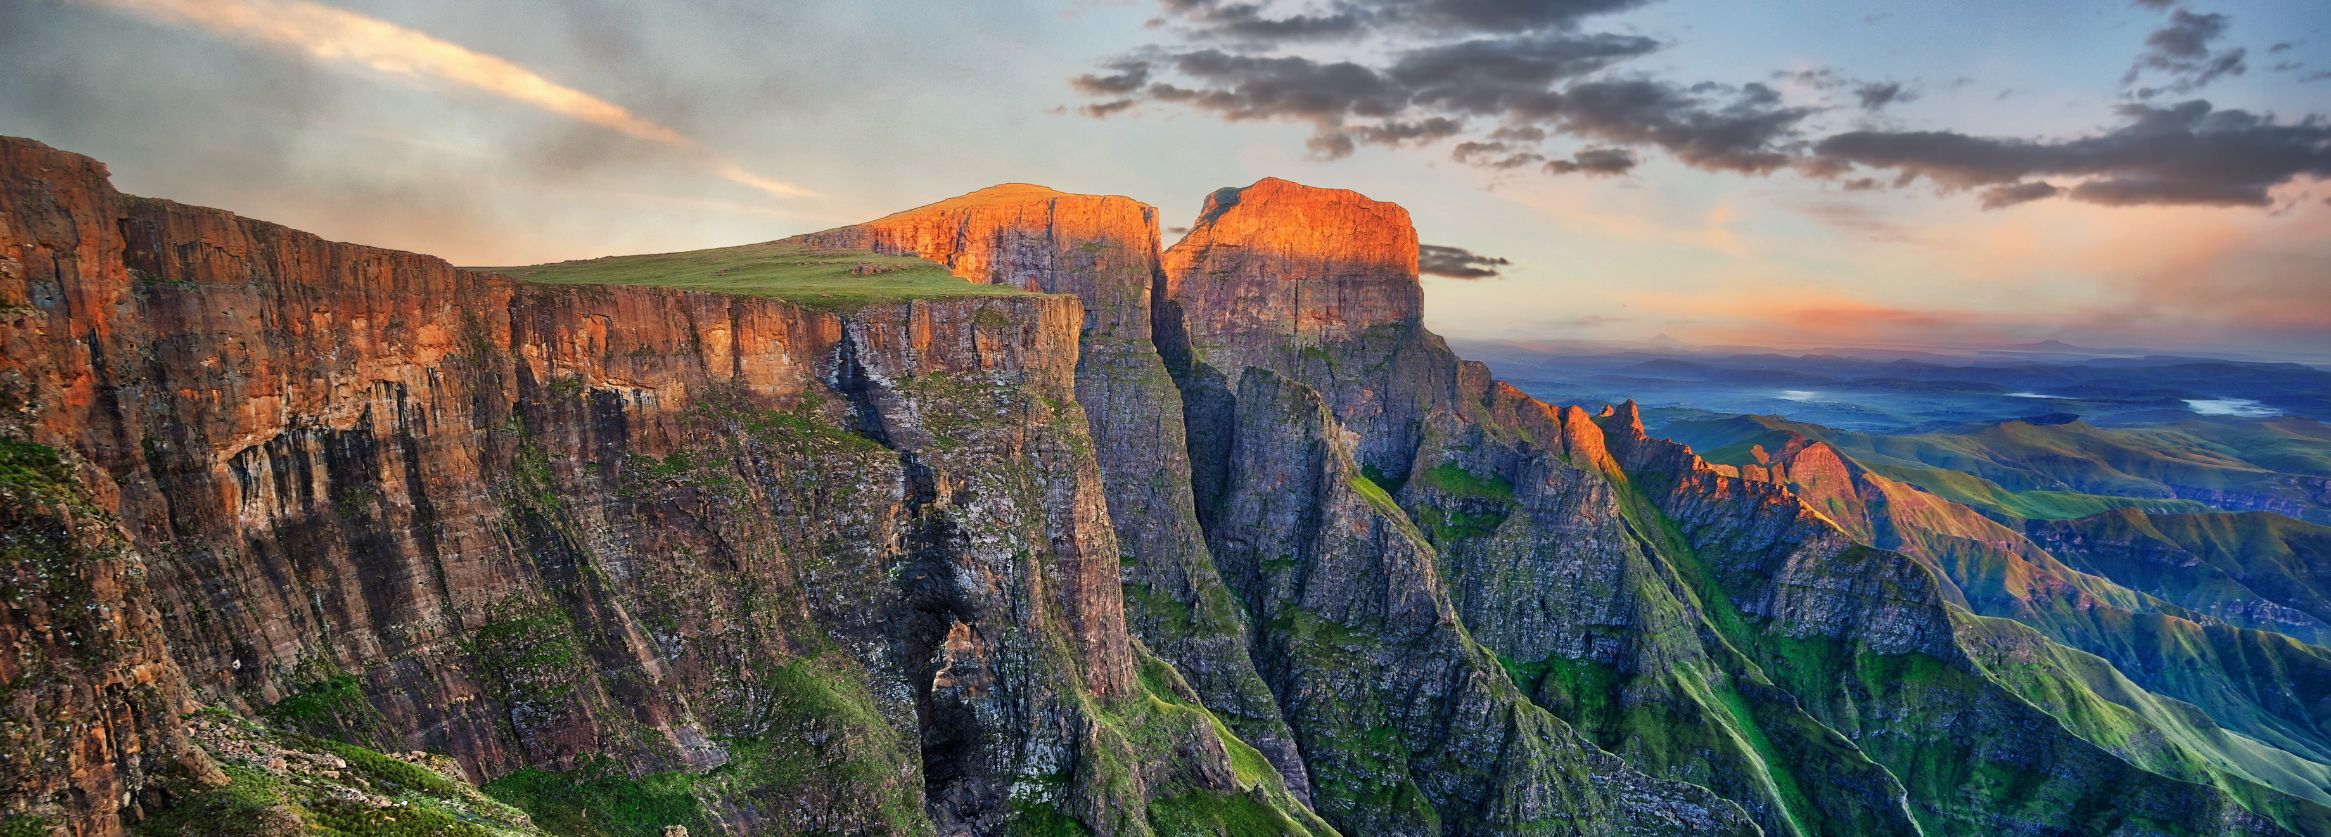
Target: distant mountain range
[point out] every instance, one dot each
(1888, 393)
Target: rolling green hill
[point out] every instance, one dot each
(2252, 568)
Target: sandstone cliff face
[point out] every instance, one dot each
(541, 527)
(1105, 251)
(1319, 285)
(1282, 266)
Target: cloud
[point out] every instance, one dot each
(345, 39)
(2185, 153)
(1516, 84)
(1858, 219)
(1125, 76)
(1240, 87)
(1876, 95)
(1247, 21)
(1496, 155)
(2181, 50)
(1706, 126)
(1595, 162)
(1457, 262)
(1496, 76)
(2003, 196)
(1812, 316)
(1239, 20)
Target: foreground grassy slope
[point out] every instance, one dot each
(789, 270)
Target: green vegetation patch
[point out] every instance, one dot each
(1454, 479)
(333, 706)
(790, 270)
(325, 787)
(530, 655)
(822, 744)
(598, 800)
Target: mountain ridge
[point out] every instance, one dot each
(1214, 538)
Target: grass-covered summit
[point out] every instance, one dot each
(790, 269)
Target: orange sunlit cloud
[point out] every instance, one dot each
(346, 39)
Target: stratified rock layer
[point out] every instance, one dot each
(1105, 251)
(540, 527)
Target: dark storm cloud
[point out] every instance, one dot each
(2186, 153)
(1457, 262)
(2180, 50)
(1515, 84)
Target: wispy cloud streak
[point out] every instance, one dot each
(345, 39)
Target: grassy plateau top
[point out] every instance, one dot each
(790, 270)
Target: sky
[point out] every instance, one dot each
(2152, 174)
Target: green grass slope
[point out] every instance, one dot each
(1990, 727)
(790, 270)
(2251, 681)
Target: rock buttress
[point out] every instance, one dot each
(1104, 249)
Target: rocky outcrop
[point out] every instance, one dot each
(1531, 545)
(1278, 267)
(1578, 577)
(1409, 726)
(715, 537)
(1320, 286)
(2244, 679)
(1104, 250)
(1865, 639)
(1548, 571)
